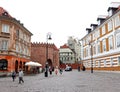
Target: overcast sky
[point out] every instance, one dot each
(63, 18)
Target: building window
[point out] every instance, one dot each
(99, 63)
(111, 61)
(98, 47)
(86, 51)
(119, 60)
(110, 26)
(94, 64)
(117, 21)
(103, 30)
(97, 33)
(20, 48)
(104, 63)
(94, 36)
(94, 49)
(110, 42)
(17, 33)
(118, 40)
(3, 64)
(104, 45)
(17, 47)
(4, 45)
(5, 28)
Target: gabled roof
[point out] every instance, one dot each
(5, 15)
(64, 46)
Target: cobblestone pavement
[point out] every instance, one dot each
(68, 82)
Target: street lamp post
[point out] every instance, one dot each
(48, 37)
(91, 57)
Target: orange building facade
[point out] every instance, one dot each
(42, 52)
(15, 43)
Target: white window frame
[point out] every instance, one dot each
(99, 63)
(94, 63)
(93, 36)
(87, 51)
(98, 47)
(4, 45)
(97, 33)
(110, 25)
(94, 49)
(119, 60)
(117, 21)
(118, 40)
(103, 30)
(104, 45)
(110, 38)
(111, 61)
(104, 63)
(5, 28)
(17, 47)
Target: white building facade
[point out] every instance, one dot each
(74, 45)
(101, 46)
(66, 55)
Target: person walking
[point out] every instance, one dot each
(13, 75)
(78, 68)
(21, 76)
(56, 70)
(50, 70)
(60, 70)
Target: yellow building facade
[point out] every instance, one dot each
(100, 48)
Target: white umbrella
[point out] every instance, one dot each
(31, 63)
(38, 64)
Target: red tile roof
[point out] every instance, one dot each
(64, 46)
(3, 11)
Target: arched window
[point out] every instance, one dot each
(3, 64)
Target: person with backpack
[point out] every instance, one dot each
(13, 75)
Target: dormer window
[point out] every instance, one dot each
(5, 14)
(101, 19)
(93, 26)
(111, 10)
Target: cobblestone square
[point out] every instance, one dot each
(73, 81)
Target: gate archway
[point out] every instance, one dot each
(50, 62)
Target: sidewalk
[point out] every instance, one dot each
(3, 74)
(106, 71)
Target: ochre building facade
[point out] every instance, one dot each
(15, 43)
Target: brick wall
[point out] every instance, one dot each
(38, 53)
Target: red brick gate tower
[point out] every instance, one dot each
(38, 54)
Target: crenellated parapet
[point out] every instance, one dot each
(43, 44)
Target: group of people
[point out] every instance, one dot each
(20, 75)
(81, 68)
(56, 70)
